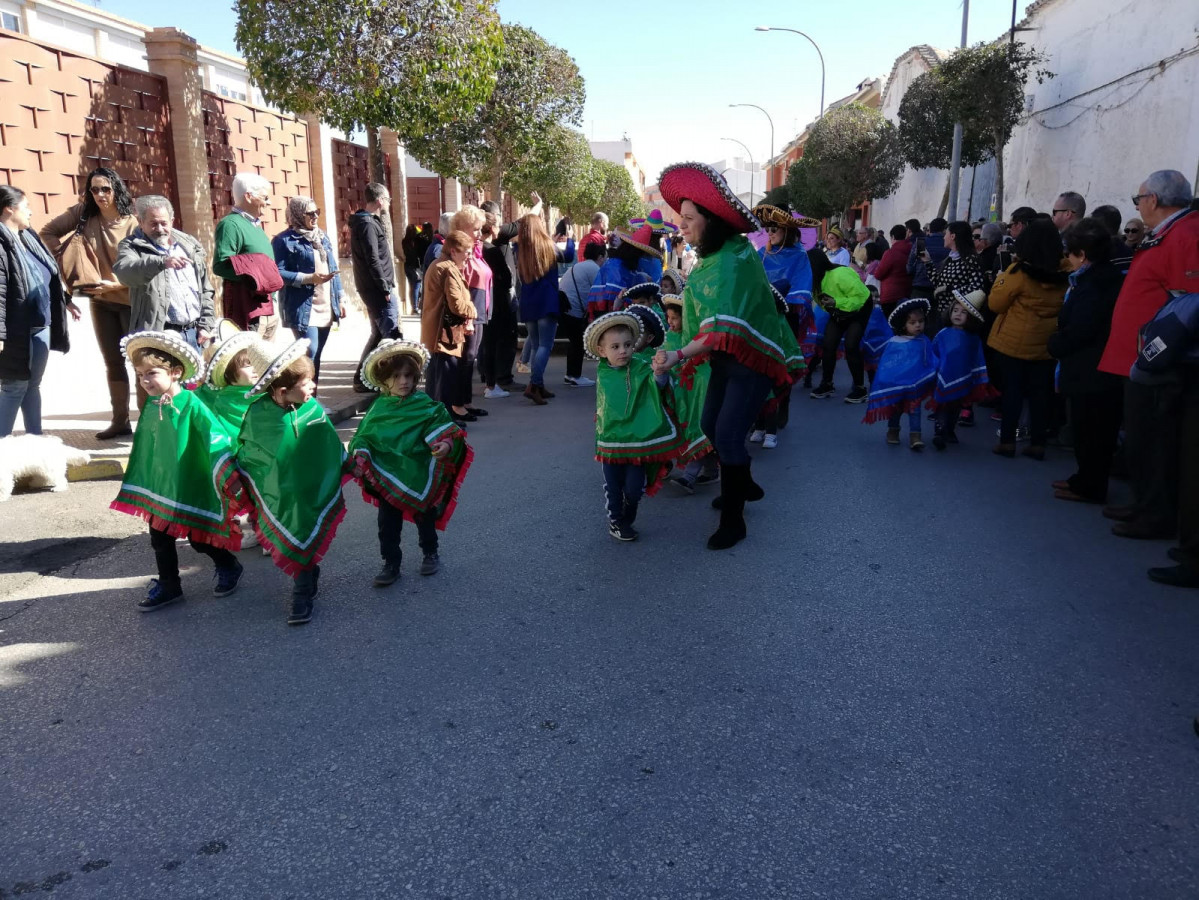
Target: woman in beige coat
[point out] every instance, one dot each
(446, 320)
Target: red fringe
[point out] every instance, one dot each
(455, 485)
(737, 347)
(289, 566)
(663, 457)
(882, 413)
(362, 474)
(174, 529)
(654, 486)
(980, 393)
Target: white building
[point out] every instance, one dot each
(621, 153)
(746, 180)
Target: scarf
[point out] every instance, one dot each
(296, 222)
(391, 455)
(634, 425)
(179, 473)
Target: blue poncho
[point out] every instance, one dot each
(904, 378)
(875, 338)
(961, 368)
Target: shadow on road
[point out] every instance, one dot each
(49, 554)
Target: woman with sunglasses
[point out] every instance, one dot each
(102, 219)
(311, 295)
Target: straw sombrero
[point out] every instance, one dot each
(656, 222)
(171, 343)
(973, 302)
(653, 332)
(904, 307)
(275, 367)
(679, 278)
(640, 239)
(386, 350)
(773, 215)
(701, 184)
(642, 291)
(595, 331)
(672, 300)
(227, 341)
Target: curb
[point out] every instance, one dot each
(112, 468)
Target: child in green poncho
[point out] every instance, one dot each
(290, 462)
(699, 462)
(179, 467)
(408, 455)
(636, 437)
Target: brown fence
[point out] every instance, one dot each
(351, 174)
(65, 114)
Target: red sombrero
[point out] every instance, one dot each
(640, 239)
(700, 183)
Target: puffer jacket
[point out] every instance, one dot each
(15, 304)
(1027, 310)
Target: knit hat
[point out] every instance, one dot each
(170, 343)
(275, 368)
(595, 331)
(386, 350)
(703, 185)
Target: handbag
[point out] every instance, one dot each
(77, 260)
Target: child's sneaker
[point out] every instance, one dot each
(160, 595)
(389, 574)
(430, 564)
(770, 441)
(707, 478)
(622, 532)
(824, 390)
(966, 418)
(893, 436)
(226, 580)
(684, 482)
(581, 381)
(757, 436)
(915, 441)
(858, 394)
(939, 441)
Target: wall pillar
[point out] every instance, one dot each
(453, 195)
(324, 191)
(172, 55)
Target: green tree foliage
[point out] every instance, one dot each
(852, 155)
(926, 127)
(619, 199)
(562, 170)
(778, 196)
(537, 87)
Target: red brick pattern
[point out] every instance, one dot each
(351, 174)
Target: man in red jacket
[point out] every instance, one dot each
(1168, 260)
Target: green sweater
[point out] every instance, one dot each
(235, 234)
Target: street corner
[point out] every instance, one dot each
(104, 468)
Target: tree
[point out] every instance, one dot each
(619, 199)
(537, 87)
(852, 155)
(562, 170)
(777, 196)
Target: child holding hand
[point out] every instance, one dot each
(230, 373)
(697, 458)
(636, 436)
(408, 456)
(905, 373)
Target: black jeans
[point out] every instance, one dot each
(110, 321)
(735, 396)
(623, 487)
(385, 323)
(946, 421)
(1152, 417)
(1188, 474)
(851, 326)
(166, 556)
(1096, 420)
(391, 526)
(466, 366)
(572, 328)
(1031, 380)
(441, 379)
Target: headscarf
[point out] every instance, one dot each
(295, 221)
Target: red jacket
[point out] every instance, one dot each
(591, 237)
(894, 282)
(1164, 262)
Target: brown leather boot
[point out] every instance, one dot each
(534, 394)
(118, 396)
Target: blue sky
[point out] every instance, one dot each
(665, 73)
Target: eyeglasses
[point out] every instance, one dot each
(1133, 230)
(772, 228)
(978, 237)
(100, 190)
(1137, 198)
(312, 212)
(1056, 211)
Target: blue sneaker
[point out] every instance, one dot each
(226, 580)
(160, 595)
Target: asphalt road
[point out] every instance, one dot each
(920, 676)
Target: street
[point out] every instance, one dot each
(920, 676)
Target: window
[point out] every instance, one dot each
(10, 22)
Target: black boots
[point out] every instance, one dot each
(735, 482)
(118, 395)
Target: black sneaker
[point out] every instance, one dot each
(160, 595)
(707, 478)
(387, 575)
(939, 441)
(430, 564)
(301, 609)
(824, 390)
(684, 482)
(226, 580)
(622, 532)
(859, 394)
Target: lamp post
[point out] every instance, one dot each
(818, 53)
(771, 121)
(751, 168)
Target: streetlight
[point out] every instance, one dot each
(771, 121)
(751, 168)
(818, 53)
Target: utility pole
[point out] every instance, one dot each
(955, 163)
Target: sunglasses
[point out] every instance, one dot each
(978, 237)
(1137, 198)
(772, 228)
(1133, 230)
(312, 212)
(100, 190)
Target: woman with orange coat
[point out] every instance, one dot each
(446, 320)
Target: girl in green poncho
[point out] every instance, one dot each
(699, 462)
(408, 455)
(290, 464)
(180, 465)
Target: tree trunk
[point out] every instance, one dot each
(998, 180)
(944, 201)
(497, 183)
(374, 155)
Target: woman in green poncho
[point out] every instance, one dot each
(728, 316)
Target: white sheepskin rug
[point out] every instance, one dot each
(36, 460)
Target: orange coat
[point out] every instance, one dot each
(445, 291)
(1027, 314)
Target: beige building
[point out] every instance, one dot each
(621, 153)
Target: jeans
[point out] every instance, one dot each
(541, 335)
(413, 276)
(166, 556)
(316, 343)
(572, 328)
(385, 323)
(735, 395)
(1031, 380)
(26, 396)
(110, 322)
(913, 421)
(851, 326)
(1096, 420)
(623, 487)
(391, 525)
(1151, 427)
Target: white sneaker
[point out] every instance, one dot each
(770, 441)
(581, 381)
(495, 393)
(757, 436)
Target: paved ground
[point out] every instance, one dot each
(920, 676)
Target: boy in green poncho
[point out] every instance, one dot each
(290, 462)
(636, 436)
(700, 463)
(180, 465)
(408, 455)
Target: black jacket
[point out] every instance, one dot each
(16, 306)
(1083, 326)
(374, 271)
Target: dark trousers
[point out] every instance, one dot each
(735, 395)
(110, 321)
(466, 366)
(946, 421)
(167, 557)
(1031, 380)
(851, 326)
(1188, 472)
(441, 379)
(1096, 420)
(385, 323)
(571, 328)
(1152, 415)
(391, 525)
(623, 487)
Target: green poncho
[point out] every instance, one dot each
(179, 470)
(228, 404)
(729, 306)
(291, 464)
(633, 422)
(690, 389)
(392, 458)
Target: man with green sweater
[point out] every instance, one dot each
(244, 259)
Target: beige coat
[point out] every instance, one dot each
(445, 290)
(103, 236)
